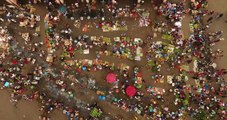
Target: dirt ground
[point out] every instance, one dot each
(24, 110)
(30, 110)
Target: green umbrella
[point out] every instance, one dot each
(138, 86)
(185, 102)
(151, 63)
(167, 37)
(95, 113)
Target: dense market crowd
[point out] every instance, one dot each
(56, 86)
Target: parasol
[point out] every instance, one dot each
(130, 91)
(14, 62)
(111, 78)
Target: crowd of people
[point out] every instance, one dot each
(54, 80)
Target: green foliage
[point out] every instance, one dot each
(201, 115)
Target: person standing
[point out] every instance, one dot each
(219, 16)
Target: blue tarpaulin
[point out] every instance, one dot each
(101, 97)
(84, 68)
(6, 84)
(62, 9)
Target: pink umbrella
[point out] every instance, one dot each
(111, 78)
(130, 91)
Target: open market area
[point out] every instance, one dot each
(113, 60)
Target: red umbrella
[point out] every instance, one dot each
(130, 91)
(111, 78)
(71, 49)
(26, 61)
(14, 62)
(139, 75)
(70, 110)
